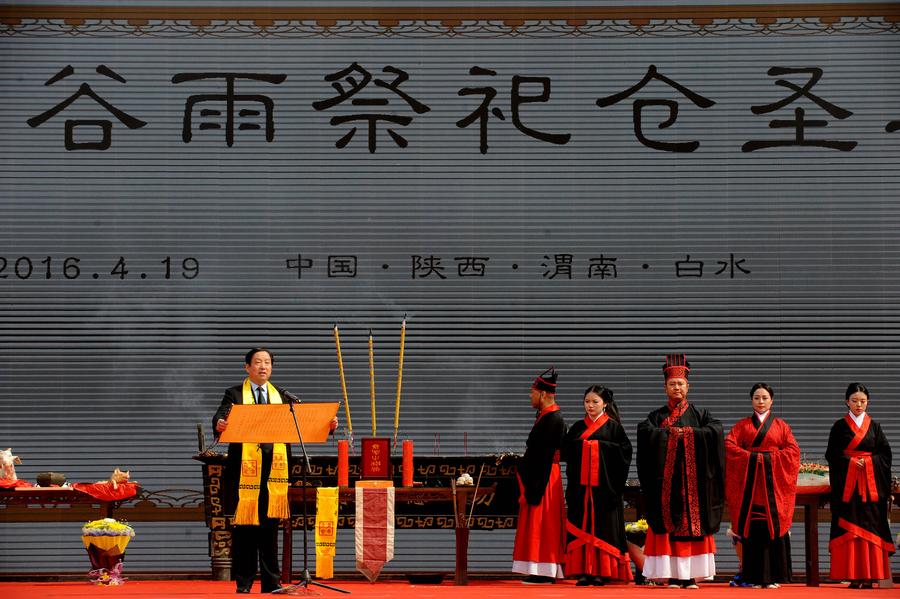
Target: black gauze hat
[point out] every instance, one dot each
(546, 381)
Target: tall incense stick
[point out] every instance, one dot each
(399, 380)
(337, 343)
(372, 379)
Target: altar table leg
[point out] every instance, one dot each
(461, 500)
(462, 556)
(811, 529)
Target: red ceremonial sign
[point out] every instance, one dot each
(376, 457)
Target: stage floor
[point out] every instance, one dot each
(393, 589)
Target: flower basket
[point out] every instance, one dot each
(105, 541)
(105, 552)
(636, 532)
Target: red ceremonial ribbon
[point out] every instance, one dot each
(689, 498)
(675, 412)
(859, 479)
(590, 478)
(685, 436)
(590, 466)
(590, 454)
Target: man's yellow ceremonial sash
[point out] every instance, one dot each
(247, 511)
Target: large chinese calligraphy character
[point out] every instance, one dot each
(357, 79)
(799, 122)
(640, 104)
(230, 99)
(517, 99)
(72, 124)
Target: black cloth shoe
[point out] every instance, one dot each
(597, 582)
(585, 581)
(242, 590)
(538, 580)
(853, 585)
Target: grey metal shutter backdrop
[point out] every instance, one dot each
(99, 373)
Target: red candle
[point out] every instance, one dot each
(343, 463)
(407, 463)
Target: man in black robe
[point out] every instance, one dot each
(681, 465)
(540, 544)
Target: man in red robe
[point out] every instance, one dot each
(540, 545)
(681, 463)
(762, 461)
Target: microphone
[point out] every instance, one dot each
(289, 396)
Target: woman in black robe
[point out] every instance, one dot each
(597, 454)
(859, 465)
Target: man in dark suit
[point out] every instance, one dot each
(253, 472)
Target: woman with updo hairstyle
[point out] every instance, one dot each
(597, 453)
(762, 462)
(859, 466)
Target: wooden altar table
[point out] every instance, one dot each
(458, 501)
(50, 501)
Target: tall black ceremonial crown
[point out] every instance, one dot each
(676, 366)
(546, 381)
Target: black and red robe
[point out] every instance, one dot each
(539, 548)
(861, 540)
(762, 462)
(681, 465)
(597, 455)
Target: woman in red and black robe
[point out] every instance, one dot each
(597, 453)
(859, 464)
(762, 462)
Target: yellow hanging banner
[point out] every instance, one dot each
(326, 530)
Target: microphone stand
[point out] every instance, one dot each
(305, 579)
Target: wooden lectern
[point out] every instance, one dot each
(273, 423)
(284, 423)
